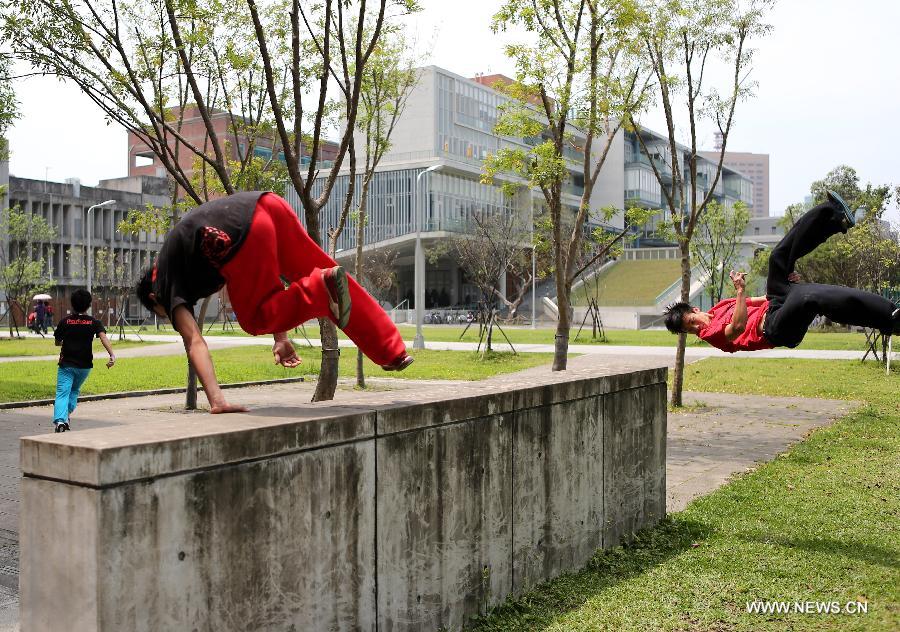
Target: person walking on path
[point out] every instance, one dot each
(75, 334)
(782, 317)
(253, 243)
(40, 317)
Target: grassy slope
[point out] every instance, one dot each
(25, 380)
(818, 523)
(631, 282)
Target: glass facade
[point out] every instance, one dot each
(466, 116)
(449, 202)
(642, 186)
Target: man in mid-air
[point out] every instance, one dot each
(781, 318)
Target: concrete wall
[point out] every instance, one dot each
(389, 515)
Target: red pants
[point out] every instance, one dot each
(276, 246)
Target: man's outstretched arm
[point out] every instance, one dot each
(739, 320)
(198, 354)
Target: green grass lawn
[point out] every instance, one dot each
(630, 282)
(26, 380)
(818, 523)
(12, 347)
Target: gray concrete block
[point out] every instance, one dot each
(414, 510)
(444, 524)
(270, 545)
(106, 456)
(443, 408)
(634, 457)
(558, 490)
(58, 576)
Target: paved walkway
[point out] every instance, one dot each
(171, 345)
(706, 446)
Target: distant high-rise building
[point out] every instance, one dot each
(755, 167)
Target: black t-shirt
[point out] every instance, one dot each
(187, 268)
(77, 332)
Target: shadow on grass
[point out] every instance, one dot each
(541, 606)
(826, 547)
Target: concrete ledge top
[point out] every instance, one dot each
(177, 443)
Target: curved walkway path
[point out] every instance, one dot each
(171, 345)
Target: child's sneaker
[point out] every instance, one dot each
(62, 426)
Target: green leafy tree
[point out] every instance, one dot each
(23, 269)
(271, 68)
(9, 106)
(484, 254)
(716, 245)
(681, 40)
(577, 82)
(387, 82)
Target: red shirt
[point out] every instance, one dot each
(749, 340)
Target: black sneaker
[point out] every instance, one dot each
(402, 361)
(62, 427)
(848, 221)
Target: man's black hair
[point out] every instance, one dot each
(81, 300)
(144, 287)
(675, 316)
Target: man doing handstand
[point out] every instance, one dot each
(277, 279)
(781, 318)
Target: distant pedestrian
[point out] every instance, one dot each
(40, 317)
(49, 315)
(74, 334)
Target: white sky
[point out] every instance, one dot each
(828, 94)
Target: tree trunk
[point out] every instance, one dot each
(561, 341)
(190, 400)
(358, 270)
(328, 373)
(360, 374)
(678, 378)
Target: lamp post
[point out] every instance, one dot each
(533, 270)
(90, 254)
(419, 269)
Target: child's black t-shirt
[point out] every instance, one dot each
(77, 332)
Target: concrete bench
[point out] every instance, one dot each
(401, 512)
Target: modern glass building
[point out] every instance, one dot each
(430, 182)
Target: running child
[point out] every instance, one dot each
(74, 334)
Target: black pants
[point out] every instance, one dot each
(792, 307)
